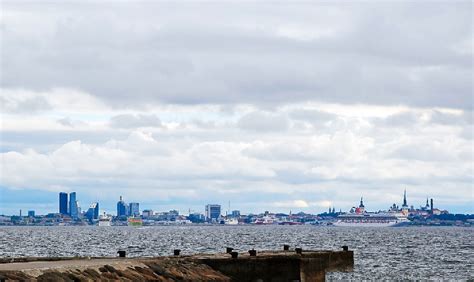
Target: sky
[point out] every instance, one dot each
(256, 106)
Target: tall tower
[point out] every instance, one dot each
(405, 199)
(63, 203)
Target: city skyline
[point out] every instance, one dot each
(124, 208)
(297, 106)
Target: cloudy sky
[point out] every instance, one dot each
(270, 106)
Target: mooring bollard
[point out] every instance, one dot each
(122, 254)
(253, 253)
(234, 255)
(299, 250)
(286, 247)
(229, 250)
(345, 248)
(176, 252)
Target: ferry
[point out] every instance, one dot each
(266, 220)
(104, 220)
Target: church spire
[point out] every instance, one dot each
(405, 198)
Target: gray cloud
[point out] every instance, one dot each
(259, 53)
(438, 117)
(402, 119)
(28, 105)
(263, 122)
(314, 117)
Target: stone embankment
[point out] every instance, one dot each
(286, 265)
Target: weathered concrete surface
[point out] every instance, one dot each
(266, 266)
(282, 266)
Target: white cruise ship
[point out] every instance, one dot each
(371, 220)
(358, 217)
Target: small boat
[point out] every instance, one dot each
(231, 221)
(105, 220)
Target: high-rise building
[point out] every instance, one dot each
(213, 212)
(73, 205)
(122, 208)
(235, 213)
(134, 209)
(63, 203)
(31, 213)
(93, 212)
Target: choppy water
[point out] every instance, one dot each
(380, 253)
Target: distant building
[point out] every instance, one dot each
(73, 205)
(122, 208)
(436, 211)
(235, 213)
(93, 212)
(63, 203)
(174, 212)
(31, 213)
(196, 218)
(213, 212)
(147, 213)
(134, 209)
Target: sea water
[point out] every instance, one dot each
(379, 253)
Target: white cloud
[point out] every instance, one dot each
(304, 105)
(135, 121)
(291, 204)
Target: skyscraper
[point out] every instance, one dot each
(63, 203)
(93, 212)
(134, 209)
(213, 212)
(122, 208)
(73, 206)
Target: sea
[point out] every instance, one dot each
(404, 253)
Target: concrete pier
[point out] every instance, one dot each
(265, 266)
